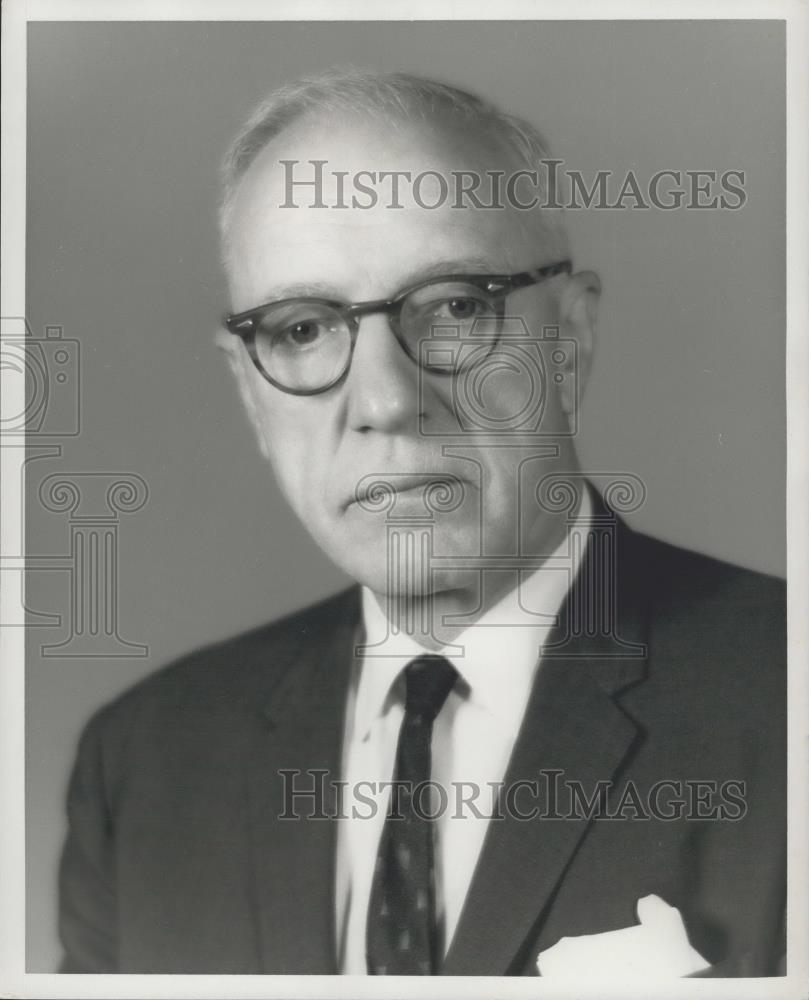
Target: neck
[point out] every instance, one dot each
(459, 600)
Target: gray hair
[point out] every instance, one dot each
(387, 95)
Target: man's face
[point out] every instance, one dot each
(388, 418)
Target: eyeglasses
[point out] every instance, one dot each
(304, 346)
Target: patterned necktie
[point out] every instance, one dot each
(401, 938)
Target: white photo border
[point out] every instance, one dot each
(13, 979)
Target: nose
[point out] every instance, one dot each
(383, 382)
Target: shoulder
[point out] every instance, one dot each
(699, 584)
(221, 680)
(716, 634)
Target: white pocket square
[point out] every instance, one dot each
(658, 947)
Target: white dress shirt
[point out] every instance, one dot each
(473, 737)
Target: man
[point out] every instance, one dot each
(530, 740)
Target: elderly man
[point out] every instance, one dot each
(527, 723)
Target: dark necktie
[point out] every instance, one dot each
(401, 935)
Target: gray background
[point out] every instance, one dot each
(125, 129)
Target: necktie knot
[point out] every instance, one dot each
(428, 682)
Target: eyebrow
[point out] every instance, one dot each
(436, 269)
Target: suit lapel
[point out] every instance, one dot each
(573, 724)
(293, 860)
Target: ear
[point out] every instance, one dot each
(578, 310)
(241, 368)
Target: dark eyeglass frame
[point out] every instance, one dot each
(497, 286)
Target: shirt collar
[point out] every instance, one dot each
(519, 624)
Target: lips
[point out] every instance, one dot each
(373, 488)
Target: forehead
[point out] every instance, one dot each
(366, 251)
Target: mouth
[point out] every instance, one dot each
(375, 492)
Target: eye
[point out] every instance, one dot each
(296, 330)
(302, 334)
(463, 307)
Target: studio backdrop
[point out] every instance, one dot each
(154, 526)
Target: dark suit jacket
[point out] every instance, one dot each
(176, 860)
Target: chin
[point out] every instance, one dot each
(363, 553)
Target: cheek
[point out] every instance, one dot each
(292, 475)
(511, 393)
(300, 474)
(292, 442)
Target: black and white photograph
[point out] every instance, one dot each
(404, 500)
